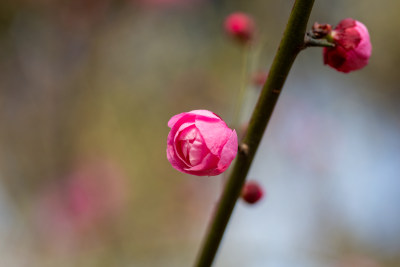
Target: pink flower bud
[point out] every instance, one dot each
(200, 143)
(252, 192)
(240, 26)
(352, 46)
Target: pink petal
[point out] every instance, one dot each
(184, 127)
(182, 142)
(197, 151)
(172, 156)
(177, 128)
(346, 23)
(365, 47)
(228, 153)
(215, 134)
(348, 39)
(206, 167)
(174, 119)
(174, 159)
(362, 29)
(190, 146)
(354, 61)
(205, 113)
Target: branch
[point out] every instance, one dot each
(291, 44)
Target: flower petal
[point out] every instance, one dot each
(215, 134)
(197, 151)
(228, 153)
(174, 119)
(206, 167)
(205, 113)
(183, 139)
(172, 156)
(174, 159)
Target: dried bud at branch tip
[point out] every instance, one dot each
(321, 30)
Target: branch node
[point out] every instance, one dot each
(244, 149)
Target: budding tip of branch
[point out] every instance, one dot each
(244, 149)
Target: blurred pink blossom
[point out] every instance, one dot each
(89, 197)
(240, 26)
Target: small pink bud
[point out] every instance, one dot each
(200, 143)
(352, 46)
(252, 192)
(240, 26)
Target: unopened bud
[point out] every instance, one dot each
(252, 192)
(352, 46)
(240, 26)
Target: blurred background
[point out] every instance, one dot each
(87, 88)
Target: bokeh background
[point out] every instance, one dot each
(87, 88)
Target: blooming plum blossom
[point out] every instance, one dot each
(352, 46)
(200, 143)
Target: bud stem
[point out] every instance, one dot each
(291, 44)
(309, 41)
